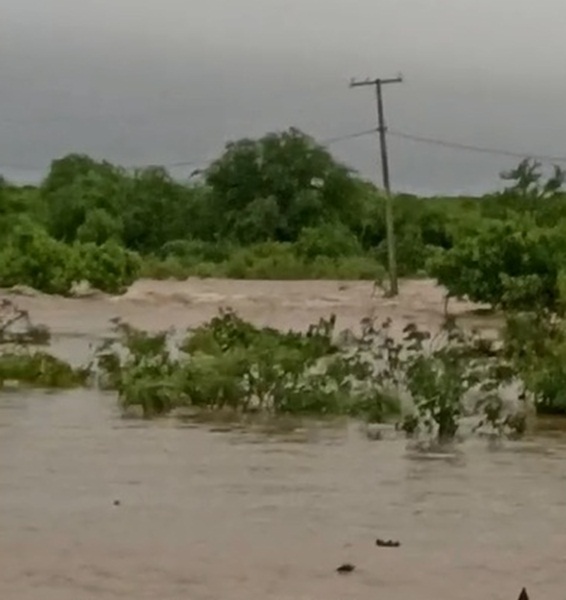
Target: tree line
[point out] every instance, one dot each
(278, 207)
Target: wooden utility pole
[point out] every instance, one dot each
(382, 131)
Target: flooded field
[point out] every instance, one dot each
(93, 506)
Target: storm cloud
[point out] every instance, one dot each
(168, 81)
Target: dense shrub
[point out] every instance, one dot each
(108, 267)
(331, 240)
(536, 344)
(31, 257)
(507, 264)
(229, 363)
(21, 360)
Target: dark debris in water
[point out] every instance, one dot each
(345, 568)
(387, 543)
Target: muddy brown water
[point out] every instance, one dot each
(242, 514)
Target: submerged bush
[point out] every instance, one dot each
(39, 369)
(22, 362)
(229, 363)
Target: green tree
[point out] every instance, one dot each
(99, 227)
(77, 186)
(286, 170)
(513, 265)
(157, 210)
(527, 181)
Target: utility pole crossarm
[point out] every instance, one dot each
(382, 131)
(378, 81)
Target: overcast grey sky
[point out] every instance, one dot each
(162, 81)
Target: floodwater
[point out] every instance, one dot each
(93, 506)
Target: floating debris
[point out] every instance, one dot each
(387, 543)
(346, 568)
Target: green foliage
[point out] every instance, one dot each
(22, 362)
(16, 204)
(536, 345)
(440, 374)
(269, 260)
(99, 227)
(528, 185)
(76, 186)
(508, 264)
(229, 363)
(142, 370)
(157, 210)
(31, 257)
(259, 196)
(331, 240)
(39, 369)
(281, 207)
(195, 251)
(274, 187)
(266, 261)
(108, 267)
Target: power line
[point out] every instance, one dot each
(350, 136)
(203, 163)
(324, 142)
(472, 148)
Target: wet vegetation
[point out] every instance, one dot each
(423, 384)
(22, 362)
(282, 207)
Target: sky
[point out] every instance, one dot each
(171, 81)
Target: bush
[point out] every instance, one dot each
(192, 252)
(229, 363)
(109, 267)
(512, 265)
(22, 362)
(332, 240)
(39, 369)
(536, 344)
(439, 373)
(100, 227)
(31, 257)
(169, 268)
(271, 260)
